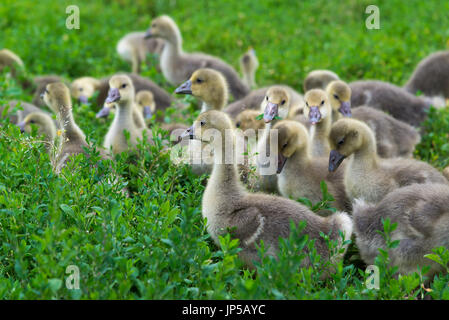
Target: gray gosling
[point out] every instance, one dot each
(431, 76)
(178, 66)
(73, 140)
(46, 127)
(318, 111)
(422, 217)
(134, 47)
(299, 174)
(394, 138)
(367, 176)
(253, 217)
(249, 65)
(122, 94)
(319, 79)
(275, 106)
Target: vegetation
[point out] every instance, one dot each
(154, 245)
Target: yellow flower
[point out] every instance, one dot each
(59, 132)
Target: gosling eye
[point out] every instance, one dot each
(202, 122)
(284, 146)
(266, 98)
(237, 124)
(322, 102)
(283, 102)
(32, 121)
(307, 104)
(341, 142)
(336, 97)
(80, 89)
(198, 80)
(124, 85)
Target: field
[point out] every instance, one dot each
(154, 245)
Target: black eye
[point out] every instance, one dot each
(285, 144)
(198, 80)
(266, 98)
(307, 104)
(202, 123)
(237, 124)
(322, 102)
(336, 97)
(32, 121)
(80, 89)
(124, 85)
(341, 142)
(283, 102)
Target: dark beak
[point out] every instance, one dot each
(148, 34)
(113, 95)
(185, 88)
(271, 112)
(83, 99)
(281, 162)
(314, 115)
(21, 125)
(103, 113)
(147, 114)
(345, 108)
(188, 133)
(335, 159)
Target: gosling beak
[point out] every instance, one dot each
(345, 108)
(281, 162)
(21, 125)
(271, 112)
(103, 113)
(185, 88)
(147, 114)
(335, 159)
(42, 95)
(188, 133)
(83, 99)
(148, 34)
(314, 115)
(113, 95)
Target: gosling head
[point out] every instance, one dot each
(316, 106)
(319, 79)
(346, 137)
(207, 125)
(292, 136)
(57, 97)
(247, 120)
(146, 103)
(249, 62)
(83, 88)
(208, 85)
(121, 90)
(9, 59)
(339, 94)
(43, 122)
(276, 104)
(163, 27)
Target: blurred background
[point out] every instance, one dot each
(291, 38)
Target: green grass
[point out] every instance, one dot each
(154, 244)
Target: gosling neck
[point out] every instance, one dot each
(125, 113)
(366, 156)
(70, 131)
(224, 175)
(336, 115)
